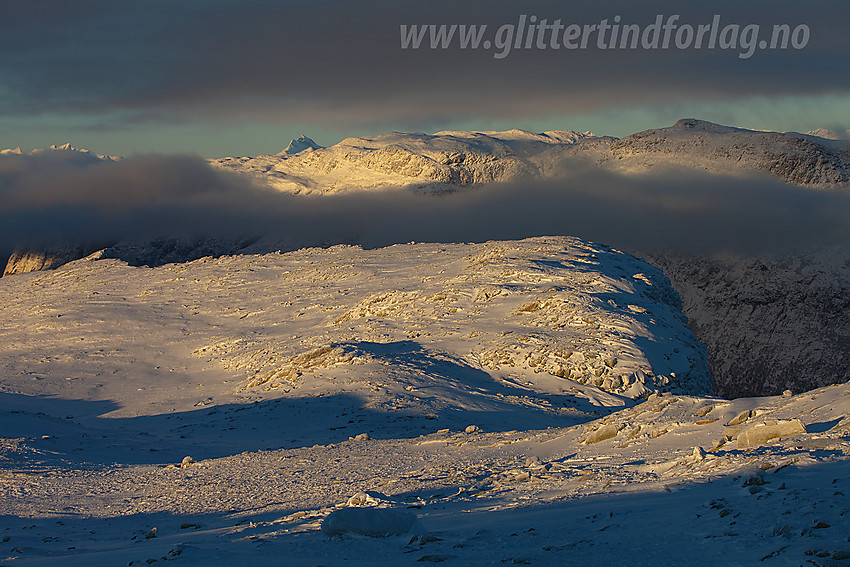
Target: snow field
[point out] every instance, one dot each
(531, 402)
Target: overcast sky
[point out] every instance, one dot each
(226, 77)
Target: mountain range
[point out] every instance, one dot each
(451, 161)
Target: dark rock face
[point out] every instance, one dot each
(152, 253)
(810, 164)
(768, 324)
(25, 260)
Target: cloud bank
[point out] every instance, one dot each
(56, 198)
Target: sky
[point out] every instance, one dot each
(220, 77)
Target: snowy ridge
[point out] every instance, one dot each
(794, 158)
(441, 162)
(553, 325)
(548, 307)
(524, 136)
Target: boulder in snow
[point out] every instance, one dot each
(769, 431)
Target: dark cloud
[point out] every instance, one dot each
(332, 61)
(56, 198)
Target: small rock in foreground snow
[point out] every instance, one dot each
(361, 499)
(740, 418)
(187, 461)
(533, 462)
(603, 433)
(371, 522)
(472, 429)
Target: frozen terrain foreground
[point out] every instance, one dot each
(532, 402)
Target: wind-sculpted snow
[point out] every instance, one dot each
(541, 309)
(535, 331)
(420, 403)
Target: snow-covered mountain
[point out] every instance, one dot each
(451, 160)
(794, 158)
(539, 319)
(66, 147)
(829, 134)
(441, 162)
(299, 145)
(448, 161)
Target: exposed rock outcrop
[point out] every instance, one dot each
(24, 260)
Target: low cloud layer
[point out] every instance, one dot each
(56, 198)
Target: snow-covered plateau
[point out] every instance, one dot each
(540, 401)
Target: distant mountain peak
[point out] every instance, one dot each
(702, 125)
(54, 147)
(67, 147)
(300, 144)
(828, 134)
